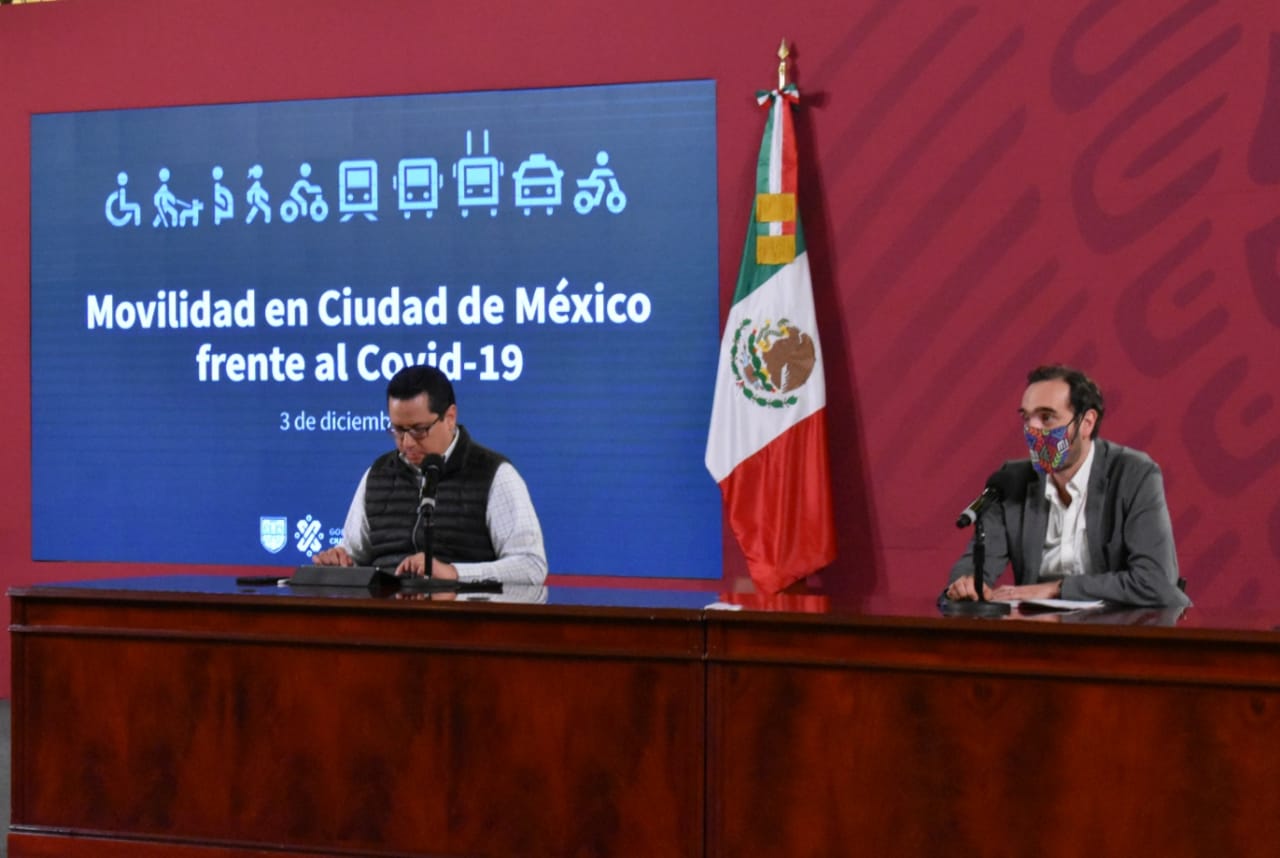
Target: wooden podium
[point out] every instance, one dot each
(188, 718)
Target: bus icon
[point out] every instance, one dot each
(477, 177)
(418, 180)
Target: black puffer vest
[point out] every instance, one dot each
(460, 534)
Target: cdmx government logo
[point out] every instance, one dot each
(771, 362)
(308, 534)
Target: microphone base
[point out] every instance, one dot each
(969, 608)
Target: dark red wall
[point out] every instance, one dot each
(985, 186)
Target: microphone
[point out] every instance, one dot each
(992, 493)
(431, 468)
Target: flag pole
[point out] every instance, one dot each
(767, 442)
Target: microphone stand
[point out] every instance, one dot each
(981, 607)
(423, 535)
(422, 539)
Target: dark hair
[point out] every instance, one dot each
(413, 381)
(1084, 393)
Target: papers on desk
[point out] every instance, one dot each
(1056, 604)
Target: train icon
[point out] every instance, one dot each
(418, 181)
(358, 189)
(538, 183)
(477, 177)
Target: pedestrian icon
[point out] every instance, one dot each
(257, 197)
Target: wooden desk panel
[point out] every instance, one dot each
(991, 739)
(355, 728)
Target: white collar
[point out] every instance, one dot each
(454, 443)
(1079, 482)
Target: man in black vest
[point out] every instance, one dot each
(484, 525)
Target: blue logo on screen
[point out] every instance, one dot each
(273, 532)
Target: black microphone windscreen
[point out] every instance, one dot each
(432, 466)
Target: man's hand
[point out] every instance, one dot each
(443, 571)
(962, 589)
(1050, 590)
(415, 566)
(335, 556)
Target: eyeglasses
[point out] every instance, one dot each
(417, 433)
(1046, 421)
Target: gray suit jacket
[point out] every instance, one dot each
(1131, 549)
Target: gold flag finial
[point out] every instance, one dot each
(783, 53)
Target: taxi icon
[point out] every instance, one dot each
(538, 184)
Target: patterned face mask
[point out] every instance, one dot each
(1049, 447)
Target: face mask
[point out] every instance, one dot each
(1049, 448)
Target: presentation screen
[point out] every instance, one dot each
(219, 295)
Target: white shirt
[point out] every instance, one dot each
(1066, 539)
(511, 519)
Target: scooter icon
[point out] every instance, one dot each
(298, 203)
(587, 199)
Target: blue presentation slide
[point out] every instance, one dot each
(219, 295)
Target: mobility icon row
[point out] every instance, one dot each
(418, 183)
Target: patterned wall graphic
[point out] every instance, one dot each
(1093, 183)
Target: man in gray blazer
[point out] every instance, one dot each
(1083, 518)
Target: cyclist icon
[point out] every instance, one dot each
(593, 188)
(257, 197)
(299, 204)
(224, 204)
(119, 210)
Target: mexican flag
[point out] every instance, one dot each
(767, 447)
